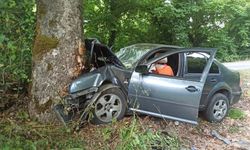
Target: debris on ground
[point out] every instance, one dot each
(218, 136)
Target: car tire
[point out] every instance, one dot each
(218, 108)
(110, 105)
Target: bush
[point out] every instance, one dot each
(16, 38)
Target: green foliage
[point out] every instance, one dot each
(124, 22)
(20, 142)
(135, 136)
(22, 133)
(222, 24)
(32, 136)
(236, 113)
(17, 20)
(22, 115)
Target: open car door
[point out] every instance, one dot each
(169, 97)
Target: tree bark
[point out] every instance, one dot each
(56, 55)
(113, 24)
(112, 37)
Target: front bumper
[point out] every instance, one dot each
(73, 97)
(65, 112)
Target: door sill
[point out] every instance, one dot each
(163, 116)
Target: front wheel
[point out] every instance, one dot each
(217, 108)
(110, 105)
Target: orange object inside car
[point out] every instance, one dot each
(164, 70)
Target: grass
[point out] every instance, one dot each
(236, 113)
(22, 133)
(20, 142)
(129, 133)
(32, 136)
(135, 136)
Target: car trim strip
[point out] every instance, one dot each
(237, 93)
(163, 116)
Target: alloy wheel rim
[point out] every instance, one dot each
(108, 107)
(220, 109)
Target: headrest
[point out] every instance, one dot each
(163, 61)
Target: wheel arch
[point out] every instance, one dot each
(224, 92)
(112, 83)
(104, 82)
(222, 88)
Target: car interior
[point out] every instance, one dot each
(172, 61)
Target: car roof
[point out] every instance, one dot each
(172, 47)
(155, 46)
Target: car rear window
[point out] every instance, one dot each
(197, 62)
(214, 68)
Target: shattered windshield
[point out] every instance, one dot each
(131, 54)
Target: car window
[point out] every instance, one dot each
(214, 68)
(154, 56)
(196, 62)
(166, 66)
(131, 54)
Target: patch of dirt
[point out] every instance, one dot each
(11, 102)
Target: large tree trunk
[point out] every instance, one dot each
(56, 49)
(113, 24)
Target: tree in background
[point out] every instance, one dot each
(119, 23)
(17, 24)
(58, 42)
(238, 25)
(196, 23)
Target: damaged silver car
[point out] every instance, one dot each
(128, 81)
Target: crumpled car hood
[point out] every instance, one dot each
(99, 55)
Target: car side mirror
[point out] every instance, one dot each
(143, 69)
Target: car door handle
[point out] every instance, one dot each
(213, 80)
(192, 89)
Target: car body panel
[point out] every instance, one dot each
(213, 84)
(165, 96)
(212, 80)
(168, 96)
(86, 81)
(100, 76)
(225, 81)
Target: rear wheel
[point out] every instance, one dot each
(110, 105)
(217, 108)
